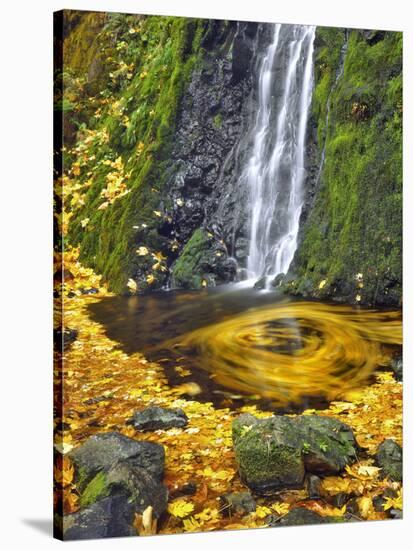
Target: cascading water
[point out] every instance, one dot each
(275, 171)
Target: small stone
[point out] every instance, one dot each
(183, 490)
(389, 458)
(339, 500)
(237, 504)
(396, 366)
(158, 418)
(300, 516)
(313, 486)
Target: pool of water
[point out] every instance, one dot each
(241, 345)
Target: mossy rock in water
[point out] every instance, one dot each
(203, 262)
(276, 452)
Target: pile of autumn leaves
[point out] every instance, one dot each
(102, 386)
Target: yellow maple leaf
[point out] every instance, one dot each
(158, 256)
(157, 213)
(281, 508)
(322, 284)
(64, 475)
(142, 251)
(191, 524)
(150, 279)
(131, 284)
(365, 505)
(180, 508)
(369, 471)
(262, 511)
(394, 502)
(84, 222)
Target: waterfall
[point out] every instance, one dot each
(275, 171)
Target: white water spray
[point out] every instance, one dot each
(275, 172)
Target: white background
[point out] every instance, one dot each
(25, 267)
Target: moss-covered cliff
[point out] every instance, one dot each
(350, 246)
(125, 101)
(152, 107)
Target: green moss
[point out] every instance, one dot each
(218, 120)
(95, 490)
(191, 267)
(355, 225)
(261, 460)
(159, 54)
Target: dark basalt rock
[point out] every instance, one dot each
(237, 504)
(100, 452)
(396, 366)
(278, 280)
(275, 453)
(139, 485)
(110, 517)
(118, 477)
(380, 500)
(313, 486)
(301, 516)
(389, 458)
(158, 418)
(203, 190)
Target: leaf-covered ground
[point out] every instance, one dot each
(102, 387)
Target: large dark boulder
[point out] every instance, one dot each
(275, 453)
(389, 458)
(134, 483)
(328, 445)
(110, 517)
(100, 452)
(158, 418)
(117, 477)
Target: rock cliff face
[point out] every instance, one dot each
(207, 208)
(184, 92)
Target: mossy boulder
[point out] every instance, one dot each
(136, 484)
(117, 477)
(203, 262)
(275, 453)
(268, 453)
(389, 457)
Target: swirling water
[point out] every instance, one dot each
(254, 345)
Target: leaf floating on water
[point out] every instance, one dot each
(133, 287)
